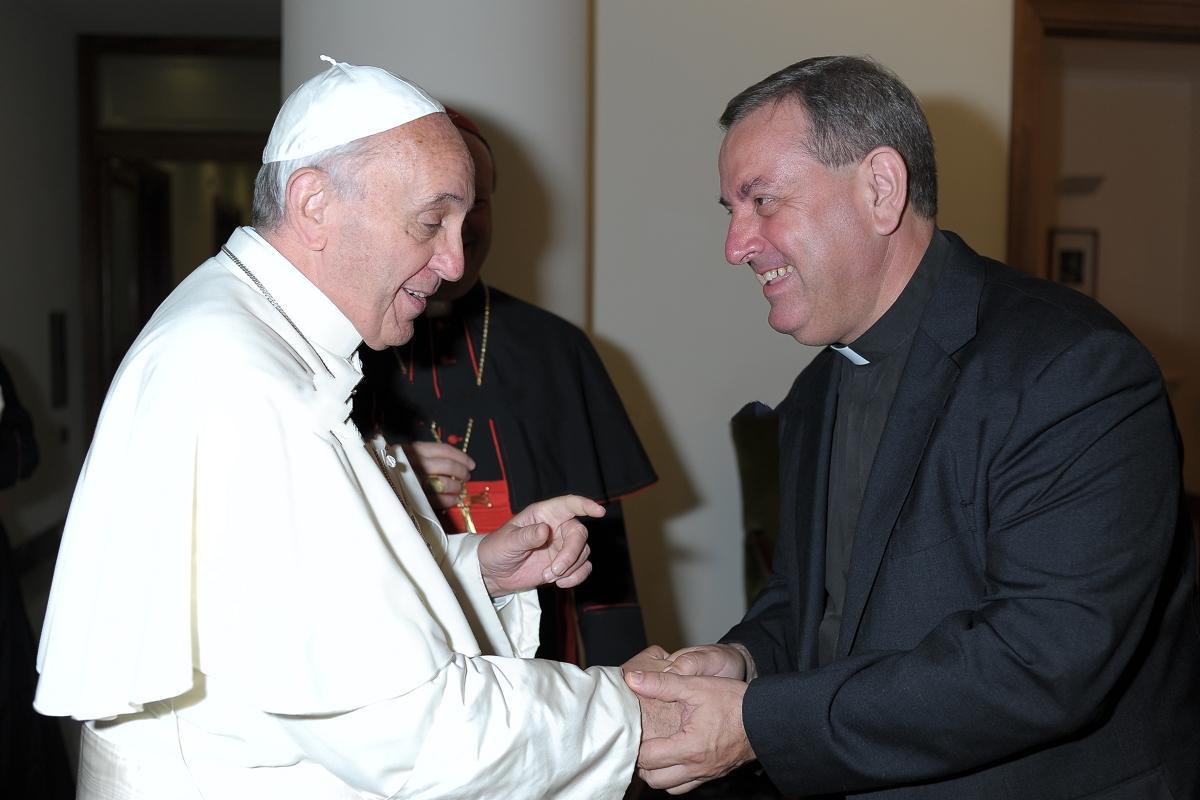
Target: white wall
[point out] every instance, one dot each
(685, 334)
(40, 273)
(520, 69)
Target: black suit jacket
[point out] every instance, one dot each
(1021, 618)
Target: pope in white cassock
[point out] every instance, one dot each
(250, 603)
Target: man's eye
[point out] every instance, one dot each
(763, 201)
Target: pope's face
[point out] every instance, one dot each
(397, 233)
(802, 228)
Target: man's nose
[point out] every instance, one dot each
(742, 242)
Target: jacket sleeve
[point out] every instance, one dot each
(769, 626)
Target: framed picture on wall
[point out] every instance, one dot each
(1073, 255)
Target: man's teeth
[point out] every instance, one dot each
(416, 294)
(772, 274)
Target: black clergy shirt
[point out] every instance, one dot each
(865, 393)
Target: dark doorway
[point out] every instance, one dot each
(171, 135)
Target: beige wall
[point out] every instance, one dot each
(686, 335)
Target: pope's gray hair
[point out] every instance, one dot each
(270, 187)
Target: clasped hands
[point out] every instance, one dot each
(691, 705)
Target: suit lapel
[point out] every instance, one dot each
(928, 378)
(947, 324)
(806, 444)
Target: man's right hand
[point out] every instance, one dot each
(445, 470)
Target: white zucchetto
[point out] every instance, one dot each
(343, 103)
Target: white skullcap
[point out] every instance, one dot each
(343, 103)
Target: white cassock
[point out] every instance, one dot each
(242, 596)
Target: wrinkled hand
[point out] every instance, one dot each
(544, 543)
(652, 659)
(444, 470)
(712, 740)
(659, 719)
(714, 660)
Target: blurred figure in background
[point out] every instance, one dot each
(499, 402)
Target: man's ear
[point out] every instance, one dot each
(887, 188)
(307, 200)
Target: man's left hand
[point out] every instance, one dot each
(545, 543)
(712, 740)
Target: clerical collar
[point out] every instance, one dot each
(321, 321)
(900, 321)
(854, 357)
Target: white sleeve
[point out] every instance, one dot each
(486, 727)
(511, 629)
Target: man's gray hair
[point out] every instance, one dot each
(853, 105)
(270, 187)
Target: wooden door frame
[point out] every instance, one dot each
(96, 145)
(1033, 22)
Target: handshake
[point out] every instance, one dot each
(691, 705)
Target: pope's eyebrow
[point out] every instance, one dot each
(445, 197)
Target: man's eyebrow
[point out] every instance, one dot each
(745, 190)
(749, 186)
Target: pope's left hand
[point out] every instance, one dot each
(544, 543)
(712, 740)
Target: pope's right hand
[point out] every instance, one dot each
(659, 719)
(714, 660)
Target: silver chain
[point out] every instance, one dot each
(271, 299)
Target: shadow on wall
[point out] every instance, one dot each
(646, 513)
(969, 149)
(522, 216)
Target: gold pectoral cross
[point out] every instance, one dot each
(465, 501)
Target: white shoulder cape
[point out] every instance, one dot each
(228, 518)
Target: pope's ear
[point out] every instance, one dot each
(887, 188)
(307, 202)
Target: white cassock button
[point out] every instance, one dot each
(390, 461)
